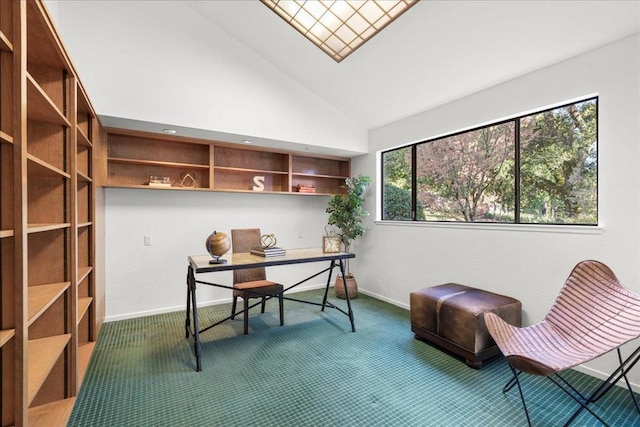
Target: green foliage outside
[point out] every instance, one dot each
(397, 204)
(559, 165)
(470, 176)
(397, 187)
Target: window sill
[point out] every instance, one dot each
(536, 228)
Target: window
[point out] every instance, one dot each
(540, 168)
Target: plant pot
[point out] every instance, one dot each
(352, 287)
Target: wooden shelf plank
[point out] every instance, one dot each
(312, 175)
(5, 44)
(40, 107)
(151, 187)
(6, 335)
(146, 187)
(51, 414)
(41, 227)
(84, 224)
(5, 138)
(83, 177)
(84, 106)
(43, 354)
(83, 306)
(230, 169)
(42, 296)
(45, 45)
(156, 163)
(6, 233)
(41, 168)
(85, 350)
(82, 138)
(83, 273)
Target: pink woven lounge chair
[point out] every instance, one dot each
(593, 315)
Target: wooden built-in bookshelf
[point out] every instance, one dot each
(48, 129)
(134, 156)
(8, 298)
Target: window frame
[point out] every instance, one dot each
(517, 173)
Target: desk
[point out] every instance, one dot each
(237, 261)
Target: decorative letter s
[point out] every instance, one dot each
(259, 183)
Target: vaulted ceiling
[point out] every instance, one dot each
(436, 52)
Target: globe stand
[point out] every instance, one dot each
(217, 245)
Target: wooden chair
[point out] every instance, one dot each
(252, 283)
(593, 315)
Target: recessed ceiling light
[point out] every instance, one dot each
(339, 27)
(247, 141)
(170, 131)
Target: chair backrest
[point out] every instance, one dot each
(594, 310)
(243, 240)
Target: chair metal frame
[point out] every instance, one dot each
(572, 392)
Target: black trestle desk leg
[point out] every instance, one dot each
(326, 290)
(196, 326)
(187, 320)
(344, 279)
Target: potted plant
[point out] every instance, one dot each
(346, 212)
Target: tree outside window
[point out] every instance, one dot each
(535, 169)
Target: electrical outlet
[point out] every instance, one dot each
(147, 240)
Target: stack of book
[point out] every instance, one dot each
(268, 252)
(159, 181)
(305, 188)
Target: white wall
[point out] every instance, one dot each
(519, 261)
(162, 76)
(143, 280)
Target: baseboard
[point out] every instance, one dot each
(603, 376)
(385, 299)
(163, 310)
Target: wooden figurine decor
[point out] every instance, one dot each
(188, 180)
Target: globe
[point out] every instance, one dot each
(218, 244)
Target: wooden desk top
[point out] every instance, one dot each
(237, 261)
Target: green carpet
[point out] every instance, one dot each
(311, 372)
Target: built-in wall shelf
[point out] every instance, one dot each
(6, 335)
(194, 164)
(41, 168)
(41, 228)
(42, 297)
(51, 414)
(5, 138)
(83, 273)
(43, 355)
(84, 356)
(83, 139)
(5, 44)
(41, 107)
(51, 309)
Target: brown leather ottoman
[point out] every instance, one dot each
(452, 316)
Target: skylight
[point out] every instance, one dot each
(339, 27)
